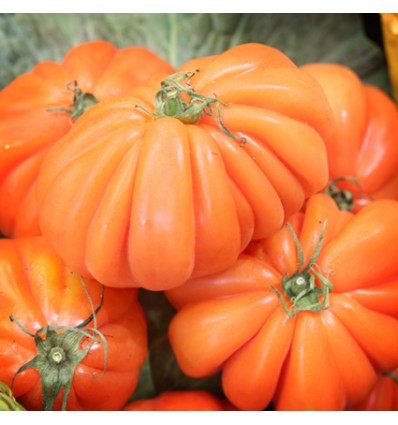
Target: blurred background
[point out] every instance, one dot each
(351, 39)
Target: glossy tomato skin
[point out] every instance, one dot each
(183, 400)
(190, 195)
(383, 397)
(364, 143)
(32, 120)
(322, 358)
(38, 290)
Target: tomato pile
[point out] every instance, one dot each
(261, 198)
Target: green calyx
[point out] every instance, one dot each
(343, 198)
(7, 399)
(301, 288)
(59, 350)
(393, 375)
(178, 99)
(81, 102)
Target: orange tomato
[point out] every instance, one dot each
(39, 107)
(305, 318)
(47, 315)
(183, 400)
(364, 143)
(174, 181)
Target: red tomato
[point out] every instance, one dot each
(384, 395)
(33, 116)
(364, 144)
(184, 400)
(174, 181)
(37, 291)
(306, 323)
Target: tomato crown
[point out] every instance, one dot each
(59, 352)
(170, 102)
(393, 374)
(301, 288)
(81, 102)
(344, 198)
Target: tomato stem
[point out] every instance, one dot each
(57, 355)
(59, 351)
(81, 102)
(300, 288)
(178, 99)
(343, 198)
(393, 375)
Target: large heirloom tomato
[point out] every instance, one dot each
(183, 400)
(363, 149)
(305, 318)
(39, 107)
(56, 336)
(174, 181)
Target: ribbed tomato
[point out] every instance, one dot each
(363, 149)
(95, 351)
(33, 116)
(182, 400)
(305, 318)
(175, 180)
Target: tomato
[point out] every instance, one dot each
(47, 315)
(384, 395)
(305, 318)
(183, 400)
(363, 149)
(174, 181)
(33, 116)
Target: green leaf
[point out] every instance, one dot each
(26, 39)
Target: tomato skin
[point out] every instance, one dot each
(99, 68)
(262, 383)
(38, 290)
(300, 385)
(364, 142)
(326, 359)
(192, 187)
(383, 397)
(183, 400)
